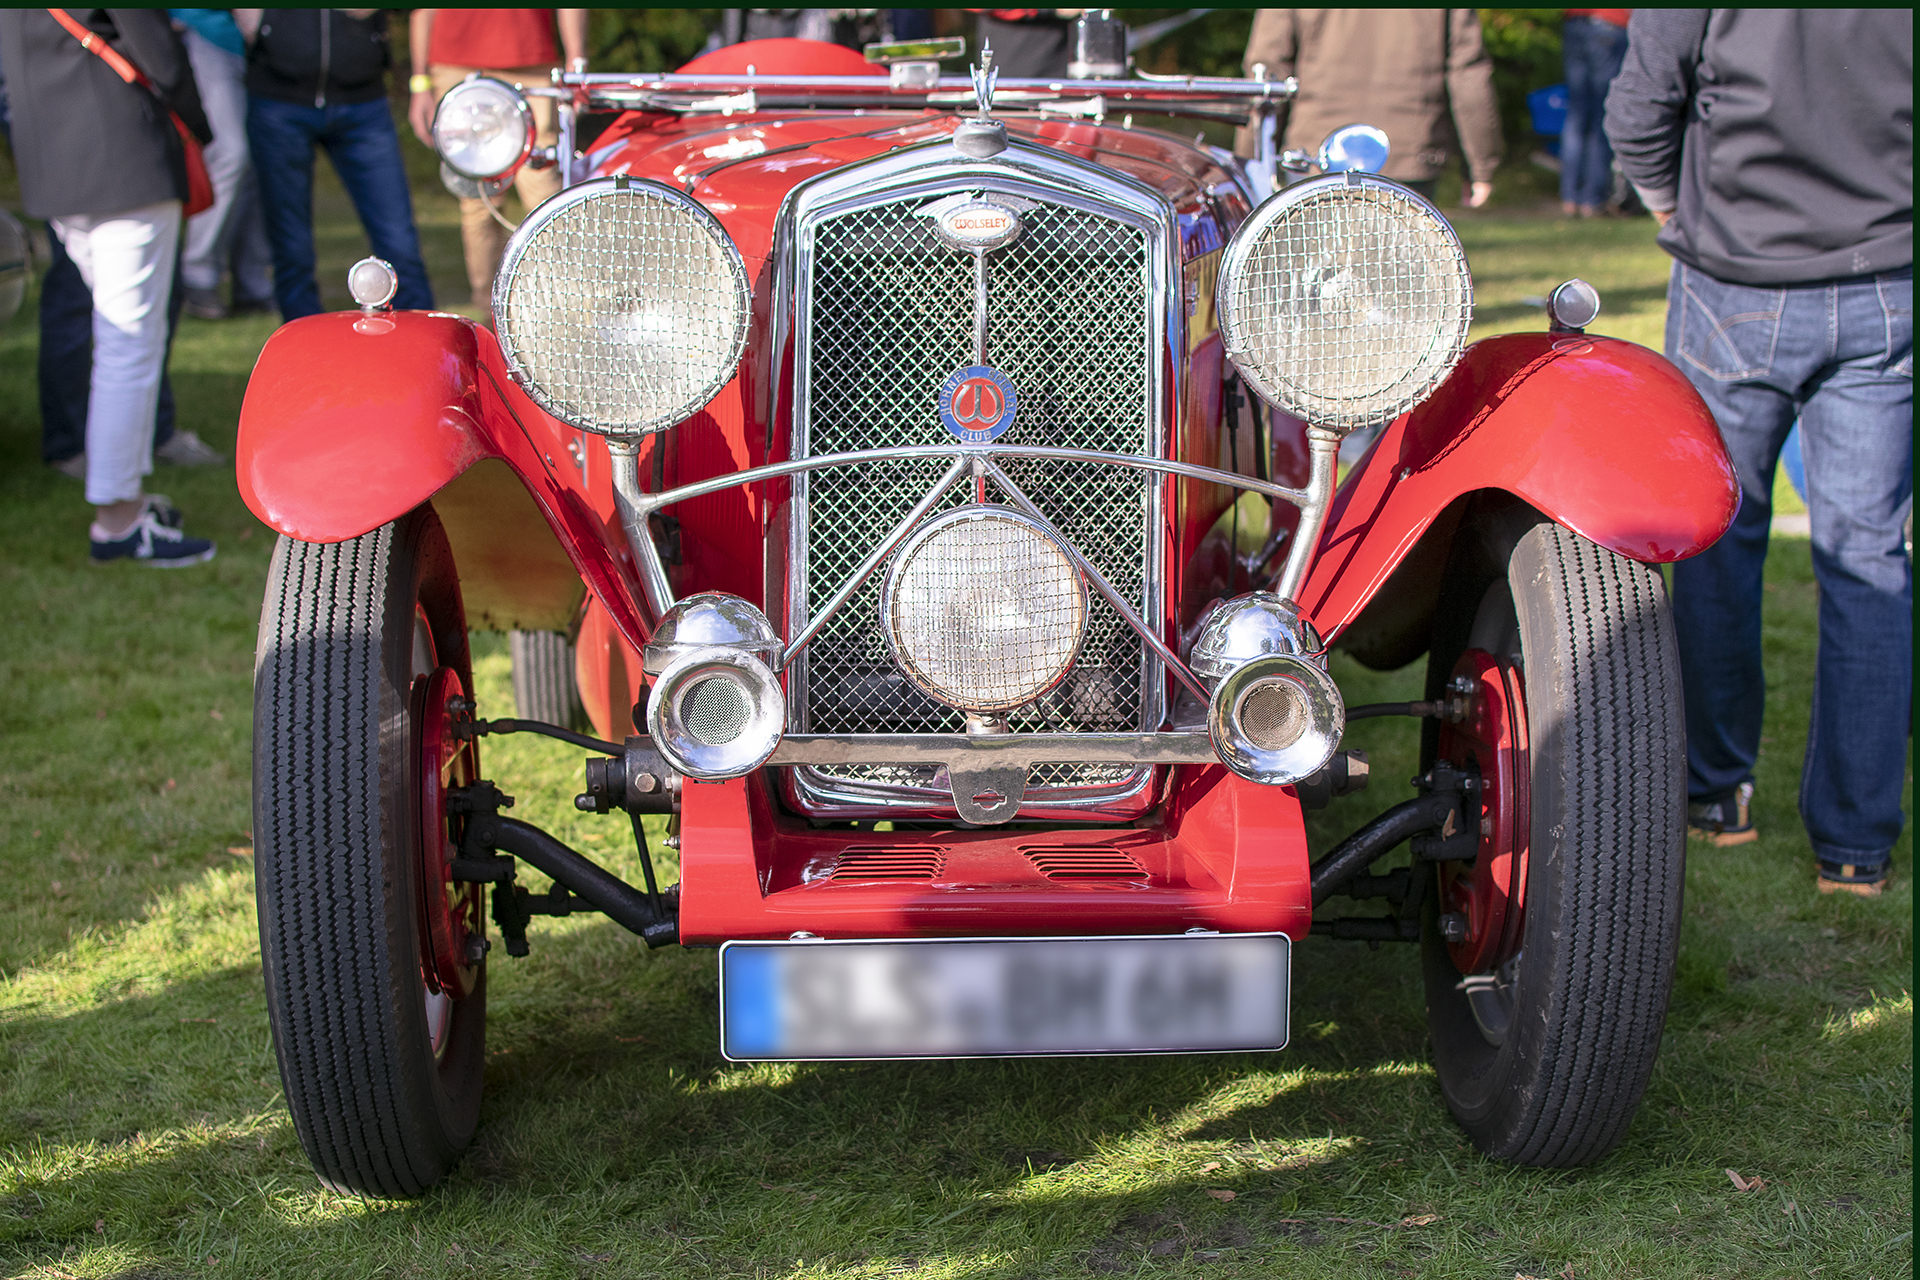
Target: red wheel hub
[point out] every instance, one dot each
(1490, 889)
(452, 913)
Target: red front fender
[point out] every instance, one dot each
(1602, 436)
(351, 421)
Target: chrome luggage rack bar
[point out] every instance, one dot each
(636, 506)
(1202, 96)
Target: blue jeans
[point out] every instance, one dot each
(1591, 53)
(1839, 356)
(359, 139)
(66, 358)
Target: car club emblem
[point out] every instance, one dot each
(977, 404)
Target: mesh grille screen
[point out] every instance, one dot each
(625, 312)
(892, 315)
(1352, 305)
(1274, 715)
(714, 711)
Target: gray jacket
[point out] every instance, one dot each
(85, 141)
(1781, 139)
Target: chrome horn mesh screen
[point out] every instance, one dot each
(891, 315)
(1346, 302)
(622, 308)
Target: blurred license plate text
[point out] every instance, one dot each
(989, 997)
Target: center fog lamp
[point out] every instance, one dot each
(1345, 300)
(483, 128)
(984, 608)
(622, 306)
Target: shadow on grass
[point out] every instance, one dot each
(615, 1141)
(159, 1116)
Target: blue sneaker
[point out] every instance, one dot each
(150, 540)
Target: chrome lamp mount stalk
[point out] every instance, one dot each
(635, 507)
(1324, 451)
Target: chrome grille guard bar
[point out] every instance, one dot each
(636, 507)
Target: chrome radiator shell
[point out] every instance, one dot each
(874, 311)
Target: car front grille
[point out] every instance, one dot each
(889, 315)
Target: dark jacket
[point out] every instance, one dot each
(85, 141)
(319, 56)
(1781, 139)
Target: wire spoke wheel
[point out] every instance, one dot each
(373, 955)
(1547, 1014)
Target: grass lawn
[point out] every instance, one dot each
(142, 1133)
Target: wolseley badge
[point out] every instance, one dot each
(977, 223)
(977, 404)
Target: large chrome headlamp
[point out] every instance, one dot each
(984, 609)
(622, 306)
(483, 128)
(1345, 300)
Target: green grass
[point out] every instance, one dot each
(142, 1132)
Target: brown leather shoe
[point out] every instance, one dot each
(1862, 882)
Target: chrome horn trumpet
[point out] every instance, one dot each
(716, 710)
(1276, 716)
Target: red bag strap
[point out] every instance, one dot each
(93, 43)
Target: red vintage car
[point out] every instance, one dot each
(868, 431)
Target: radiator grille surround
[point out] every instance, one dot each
(884, 313)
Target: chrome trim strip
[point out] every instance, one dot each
(1210, 96)
(994, 750)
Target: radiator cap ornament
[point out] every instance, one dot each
(977, 403)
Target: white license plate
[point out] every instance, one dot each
(1185, 993)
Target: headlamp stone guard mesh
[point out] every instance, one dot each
(984, 609)
(1345, 301)
(622, 306)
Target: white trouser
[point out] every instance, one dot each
(234, 229)
(127, 261)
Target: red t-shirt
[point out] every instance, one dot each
(1618, 17)
(492, 38)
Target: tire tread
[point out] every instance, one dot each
(321, 696)
(1625, 851)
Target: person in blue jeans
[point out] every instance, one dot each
(1592, 44)
(1775, 148)
(318, 78)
